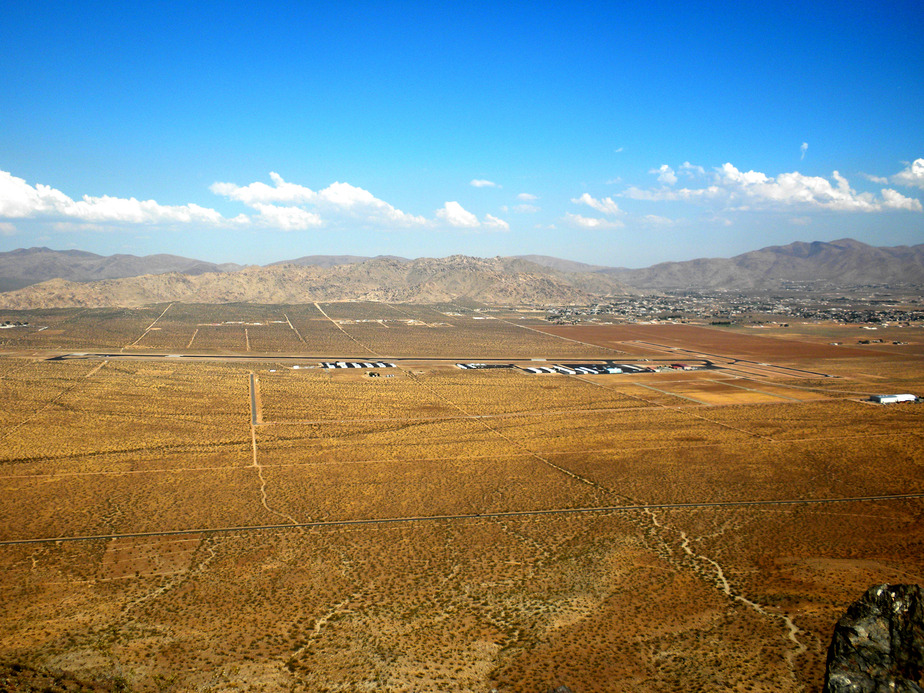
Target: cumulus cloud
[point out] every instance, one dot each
(591, 222)
(338, 200)
(803, 149)
(261, 192)
(876, 179)
(691, 170)
(455, 215)
(19, 200)
(635, 193)
(526, 209)
(912, 175)
(745, 190)
(795, 189)
(493, 222)
(604, 206)
(892, 199)
(276, 205)
(527, 197)
(666, 174)
(481, 183)
(286, 218)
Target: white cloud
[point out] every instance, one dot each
(20, 200)
(617, 151)
(282, 205)
(493, 222)
(796, 189)
(876, 179)
(455, 215)
(803, 149)
(286, 218)
(666, 174)
(527, 197)
(913, 175)
(892, 199)
(346, 197)
(481, 183)
(691, 169)
(526, 209)
(605, 206)
(634, 193)
(748, 190)
(261, 192)
(338, 200)
(7, 229)
(591, 222)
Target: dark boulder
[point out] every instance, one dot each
(878, 644)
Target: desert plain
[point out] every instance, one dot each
(190, 503)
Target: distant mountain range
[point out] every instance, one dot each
(842, 263)
(427, 280)
(40, 277)
(27, 266)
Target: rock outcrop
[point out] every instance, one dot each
(878, 644)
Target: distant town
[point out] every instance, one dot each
(720, 307)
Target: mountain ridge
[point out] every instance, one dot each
(845, 262)
(426, 280)
(27, 266)
(84, 279)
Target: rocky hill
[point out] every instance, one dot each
(528, 278)
(878, 644)
(426, 280)
(26, 266)
(844, 263)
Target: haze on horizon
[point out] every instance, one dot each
(604, 134)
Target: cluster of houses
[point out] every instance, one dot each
(723, 307)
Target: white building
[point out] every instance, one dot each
(892, 399)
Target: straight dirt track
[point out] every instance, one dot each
(470, 516)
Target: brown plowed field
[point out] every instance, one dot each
(747, 392)
(707, 340)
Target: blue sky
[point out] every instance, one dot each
(625, 136)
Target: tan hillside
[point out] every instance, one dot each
(497, 280)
